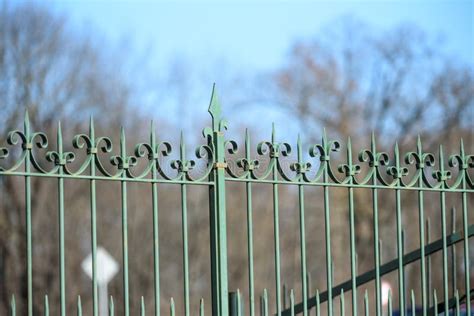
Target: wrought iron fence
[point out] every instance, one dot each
(416, 171)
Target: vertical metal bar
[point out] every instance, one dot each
(435, 302)
(93, 206)
(405, 292)
(428, 261)
(351, 230)
(184, 229)
(124, 226)
(366, 303)
(29, 258)
(375, 207)
(453, 253)
(285, 291)
(248, 187)
(413, 306)
(171, 307)
(13, 306)
(421, 223)
(46, 306)
(310, 286)
(156, 249)
(444, 233)
(318, 304)
(327, 225)
(276, 232)
(292, 302)
(239, 303)
(456, 295)
(79, 306)
(390, 309)
(341, 298)
(111, 306)
(62, 276)
(401, 286)
(304, 287)
(265, 302)
(201, 307)
(142, 307)
(218, 229)
(465, 222)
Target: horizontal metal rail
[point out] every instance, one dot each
(384, 269)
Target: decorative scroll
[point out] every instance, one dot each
(415, 169)
(124, 165)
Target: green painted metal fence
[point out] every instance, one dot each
(383, 173)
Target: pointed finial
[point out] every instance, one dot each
(26, 123)
(79, 306)
(461, 147)
(418, 144)
(372, 142)
(299, 147)
(91, 128)
(172, 307)
(324, 137)
(349, 150)
(123, 143)
(60, 138)
(441, 157)
(152, 134)
(111, 306)
(13, 305)
(142, 307)
(182, 146)
(273, 132)
(201, 307)
(46, 305)
(215, 108)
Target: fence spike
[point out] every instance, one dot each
(413, 306)
(390, 310)
(366, 303)
(79, 306)
(453, 252)
(341, 300)
(171, 307)
(435, 302)
(201, 307)
(456, 295)
(318, 303)
(292, 302)
(46, 305)
(142, 306)
(13, 306)
(111, 306)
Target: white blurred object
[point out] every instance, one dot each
(386, 288)
(107, 268)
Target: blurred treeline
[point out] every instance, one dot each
(352, 81)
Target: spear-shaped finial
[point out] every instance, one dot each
(299, 148)
(201, 307)
(273, 133)
(60, 138)
(12, 306)
(182, 146)
(79, 306)
(349, 151)
(152, 135)
(142, 307)
(123, 143)
(111, 306)
(46, 305)
(91, 129)
(215, 109)
(373, 146)
(171, 307)
(26, 124)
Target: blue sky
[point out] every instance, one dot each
(258, 34)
